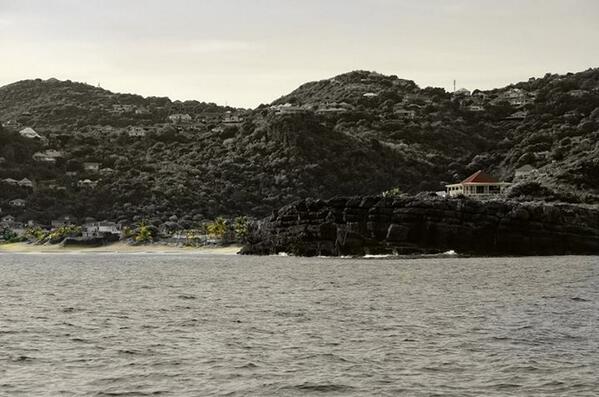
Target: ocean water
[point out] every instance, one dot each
(198, 325)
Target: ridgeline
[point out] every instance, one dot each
(125, 157)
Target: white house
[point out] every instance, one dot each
(30, 133)
(478, 185)
(517, 97)
(10, 181)
(106, 171)
(475, 108)
(136, 132)
(461, 92)
(49, 156)
(87, 183)
(100, 229)
(17, 203)
(25, 183)
(232, 118)
(7, 220)
(180, 118)
(524, 171)
(519, 115)
(91, 166)
(118, 108)
(287, 108)
(405, 114)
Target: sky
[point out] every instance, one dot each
(247, 52)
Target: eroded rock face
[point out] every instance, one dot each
(423, 224)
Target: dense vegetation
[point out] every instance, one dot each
(357, 133)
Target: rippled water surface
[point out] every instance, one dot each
(196, 325)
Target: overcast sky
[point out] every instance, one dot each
(247, 52)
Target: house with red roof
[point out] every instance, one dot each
(477, 185)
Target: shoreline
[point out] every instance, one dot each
(116, 248)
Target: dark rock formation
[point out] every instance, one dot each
(425, 224)
(90, 241)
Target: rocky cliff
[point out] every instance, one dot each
(425, 224)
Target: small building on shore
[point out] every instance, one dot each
(65, 220)
(7, 220)
(100, 229)
(477, 185)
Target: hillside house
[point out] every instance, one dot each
(87, 184)
(475, 108)
(461, 92)
(30, 133)
(516, 97)
(25, 183)
(10, 181)
(118, 108)
(405, 114)
(519, 115)
(370, 95)
(91, 166)
(180, 118)
(287, 108)
(136, 132)
(7, 220)
(17, 203)
(478, 97)
(2, 160)
(48, 184)
(41, 157)
(477, 185)
(12, 124)
(232, 119)
(525, 170)
(106, 171)
(210, 117)
(49, 156)
(577, 93)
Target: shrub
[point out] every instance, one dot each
(395, 192)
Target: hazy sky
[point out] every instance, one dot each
(247, 52)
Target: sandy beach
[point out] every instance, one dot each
(120, 248)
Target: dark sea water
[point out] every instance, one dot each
(198, 325)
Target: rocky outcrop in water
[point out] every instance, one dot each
(425, 224)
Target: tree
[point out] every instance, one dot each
(241, 227)
(217, 228)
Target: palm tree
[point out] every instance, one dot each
(217, 228)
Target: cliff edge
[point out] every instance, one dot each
(425, 224)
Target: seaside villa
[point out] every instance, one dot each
(477, 185)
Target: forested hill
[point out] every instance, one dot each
(125, 157)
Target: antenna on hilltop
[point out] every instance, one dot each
(99, 85)
(453, 85)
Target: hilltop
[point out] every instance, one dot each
(127, 157)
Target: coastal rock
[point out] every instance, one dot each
(424, 224)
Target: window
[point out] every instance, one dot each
(480, 190)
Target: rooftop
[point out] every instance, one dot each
(480, 177)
